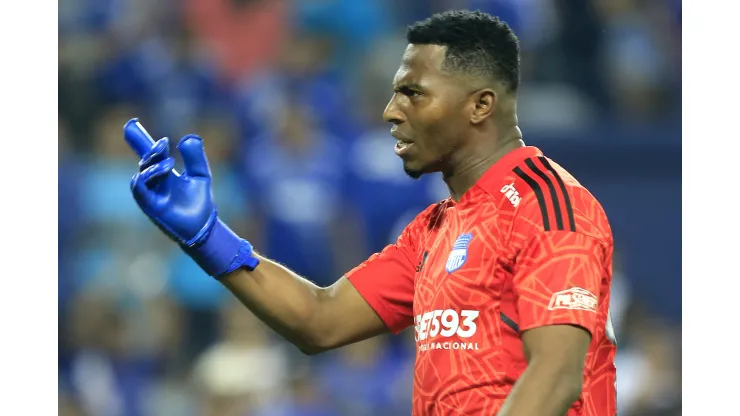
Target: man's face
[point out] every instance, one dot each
(427, 110)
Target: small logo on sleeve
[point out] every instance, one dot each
(575, 298)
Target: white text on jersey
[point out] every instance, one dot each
(512, 194)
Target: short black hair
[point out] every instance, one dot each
(477, 43)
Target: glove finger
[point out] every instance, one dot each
(142, 195)
(194, 157)
(137, 137)
(155, 175)
(159, 152)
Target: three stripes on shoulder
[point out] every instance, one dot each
(553, 200)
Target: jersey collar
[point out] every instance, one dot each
(500, 169)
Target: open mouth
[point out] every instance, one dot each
(402, 146)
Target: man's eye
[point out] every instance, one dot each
(408, 92)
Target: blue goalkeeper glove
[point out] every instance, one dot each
(181, 204)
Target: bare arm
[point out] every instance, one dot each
(315, 319)
(554, 376)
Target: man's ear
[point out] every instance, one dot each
(484, 102)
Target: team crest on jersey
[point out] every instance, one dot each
(459, 253)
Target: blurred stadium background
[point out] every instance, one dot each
(288, 96)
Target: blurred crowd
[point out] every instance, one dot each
(288, 96)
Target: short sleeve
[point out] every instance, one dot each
(558, 278)
(386, 281)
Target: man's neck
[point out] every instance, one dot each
(464, 174)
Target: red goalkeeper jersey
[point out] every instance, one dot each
(526, 246)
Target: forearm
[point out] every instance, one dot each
(182, 206)
(542, 390)
(286, 302)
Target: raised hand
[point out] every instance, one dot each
(181, 204)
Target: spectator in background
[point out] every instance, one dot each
(295, 174)
(647, 355)
(246, 35)
(244, 369)
(648, 366)
(157, 330)
(78, 99)
(303, 75)
(106, 376)
(640, 56)
(371, 362)
(580, 41)
(169, 74)
(303, 398)
(556, 96)
(109, 210)
(354, 26)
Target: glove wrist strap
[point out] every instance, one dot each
(221, 251)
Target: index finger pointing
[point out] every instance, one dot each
(137, 137)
